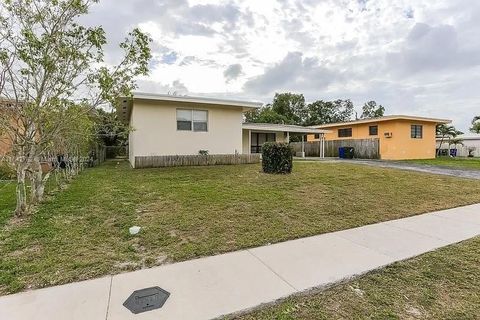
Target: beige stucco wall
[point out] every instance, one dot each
(131, 146)
(280, 136)
(155, 130)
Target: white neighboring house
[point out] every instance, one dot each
(168, 125)
(471, 140)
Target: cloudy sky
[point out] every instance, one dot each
(418, 57)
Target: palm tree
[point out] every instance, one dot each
(445, 131)
(454, 141)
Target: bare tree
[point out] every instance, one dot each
(49, 63)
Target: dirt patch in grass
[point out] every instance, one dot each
(186, 213)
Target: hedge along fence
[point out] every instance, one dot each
(195, 160)
(277, 157)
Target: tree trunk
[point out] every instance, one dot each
(39, 180)
(440, 147)
(33, 187)
(23, 161)
(41, 187)
(22, 207)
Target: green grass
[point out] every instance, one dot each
(7, 199)
(187, 212)
(443, 284)
(459, 163)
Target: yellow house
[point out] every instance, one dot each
(400, 137)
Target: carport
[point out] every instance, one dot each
(254, 135)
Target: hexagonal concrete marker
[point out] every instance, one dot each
(146, 300)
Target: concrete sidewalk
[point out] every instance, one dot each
(214, 286)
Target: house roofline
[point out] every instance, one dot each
(382, 119)
(125, 103)
(273, 127)
(197, 99)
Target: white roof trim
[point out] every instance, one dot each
(281, 128)
(381, 119)
(462, 136)
(196, 99)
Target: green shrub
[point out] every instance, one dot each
(6, 172)
(277, 157)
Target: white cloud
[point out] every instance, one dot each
(413, 56)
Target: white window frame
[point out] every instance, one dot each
(192, 121)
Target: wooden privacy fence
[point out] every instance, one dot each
(195, 160)
(364, 148)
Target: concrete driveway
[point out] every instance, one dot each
(455, 172)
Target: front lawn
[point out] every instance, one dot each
(459, 163)
(187, 212)
(7, 198)
(438, 285)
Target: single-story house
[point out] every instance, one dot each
(470, 145)
(174, 130)
(400, 137)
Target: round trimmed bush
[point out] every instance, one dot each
(277, 157)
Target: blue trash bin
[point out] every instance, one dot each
(453, 152)
(341, 152)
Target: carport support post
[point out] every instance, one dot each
(249, 141)
(322, 145)
(303, 144)
(288, 137)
